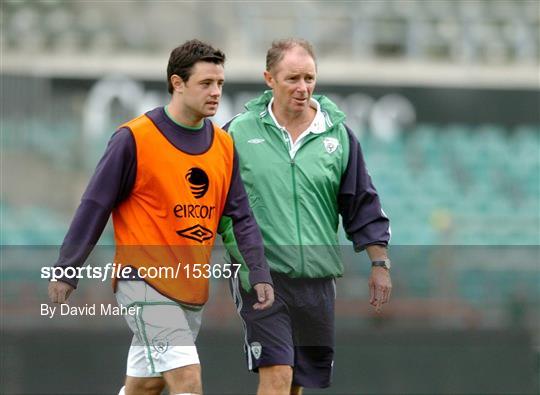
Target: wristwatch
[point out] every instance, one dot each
(382, 263)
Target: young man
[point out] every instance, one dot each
(302, 168)
(168, 177)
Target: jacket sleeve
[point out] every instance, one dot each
(364, 220)
(111, 183)
(246, 231)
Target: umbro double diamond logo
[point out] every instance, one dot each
(198, 233)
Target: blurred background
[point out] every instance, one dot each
(445, 99)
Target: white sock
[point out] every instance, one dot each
(122, 391)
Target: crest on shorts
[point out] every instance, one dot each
(256, 349)
(330, 144)
(160, 345)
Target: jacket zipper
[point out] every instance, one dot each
(297, 215)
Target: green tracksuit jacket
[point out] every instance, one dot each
(297, 202)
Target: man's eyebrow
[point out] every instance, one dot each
(293, 75)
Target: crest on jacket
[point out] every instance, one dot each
(330, 144)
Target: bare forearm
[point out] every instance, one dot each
(377, 252)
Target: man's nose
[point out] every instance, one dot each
(301, 86)
(216, 90)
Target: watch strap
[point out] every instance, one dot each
(382, 263)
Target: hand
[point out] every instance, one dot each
(380, 287)
(59, 291)
(265, 296)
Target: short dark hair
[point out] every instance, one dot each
(184, 57)
(277, 50)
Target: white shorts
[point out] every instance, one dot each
(164, 331)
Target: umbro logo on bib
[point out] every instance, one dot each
(256, 141)
(198, 233)
(330, 144)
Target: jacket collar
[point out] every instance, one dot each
(331, 114)
(317, 126)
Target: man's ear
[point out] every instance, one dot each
(269, 78)
(177, 83)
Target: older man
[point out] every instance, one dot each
(302, 167)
